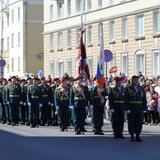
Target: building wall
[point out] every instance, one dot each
(132, 46)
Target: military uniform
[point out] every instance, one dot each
(116, 103)
(45, 110)
(2, 105)
(135, 105)
(34, 102)
(78, 101)
(13, 95)
(97, 103)
(62, 106)
(54, 117)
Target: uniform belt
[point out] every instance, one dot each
(44, 95)
(79, 98)
(96, 97)
(135, 102)
(118, 101)
(14, 95)
(34, 96)
(63, 98)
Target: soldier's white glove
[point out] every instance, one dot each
(112, 110)
(20, 102)
(40, 105)
(57, 107)
(144, 111)
(86, 107)
(24, 103)
(49, 103)
(8, 102)
(52, 104)
(29, 104)
(128, 111)
(71, 107)
(91, 106)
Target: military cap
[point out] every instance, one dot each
(117, 79)
(135, 77)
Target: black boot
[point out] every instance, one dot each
(132, 138)
(138, 138)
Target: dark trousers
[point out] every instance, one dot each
(14, 112)
(117, 119)
(2, 112)
(135, 121)
(97, 113)
(151, 116)
(34, 113)
(79, 113)
(22, 113)
(63, 117)
(8, 112)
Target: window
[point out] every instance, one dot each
(140, 62)
(156, 22)
(140, 25)
(51, 68)
(12, 64)
(69, 40)
(89, 35)
(12, 43)
(90, 65)
(12, 16)
(156, 63)
(51, 13)
(19, 39)
(19, 14)
(69, 8)
(89, 4)
(99, 33)
(60, 68)
(124, 61)
(19, 64)
(69, 67)
(7, 21)
(99, 3)
(111, 31)
(124, 28)
(7, 42)
(111, 2)
(51, 42)
(60, 6)
(79, 5)
(60, 40)
(77, 36)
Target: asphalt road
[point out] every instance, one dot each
(48, 143)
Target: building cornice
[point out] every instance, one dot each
(104, 19)
(88, 12)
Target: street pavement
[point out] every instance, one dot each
(48, 143)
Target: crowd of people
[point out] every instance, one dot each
(69, 101)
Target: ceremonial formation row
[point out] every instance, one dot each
(67, 101)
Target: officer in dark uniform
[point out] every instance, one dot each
(23, 105)
(34, 102)
(78, 102)
(45, 109)
(135, 106)
(98, 95)
(13, 92)
(2, 104)
(116, 103)
(62, 103)
(54, 117)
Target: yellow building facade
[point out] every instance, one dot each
(131, 31)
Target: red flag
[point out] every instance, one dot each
(83, 69)
(113, 69)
